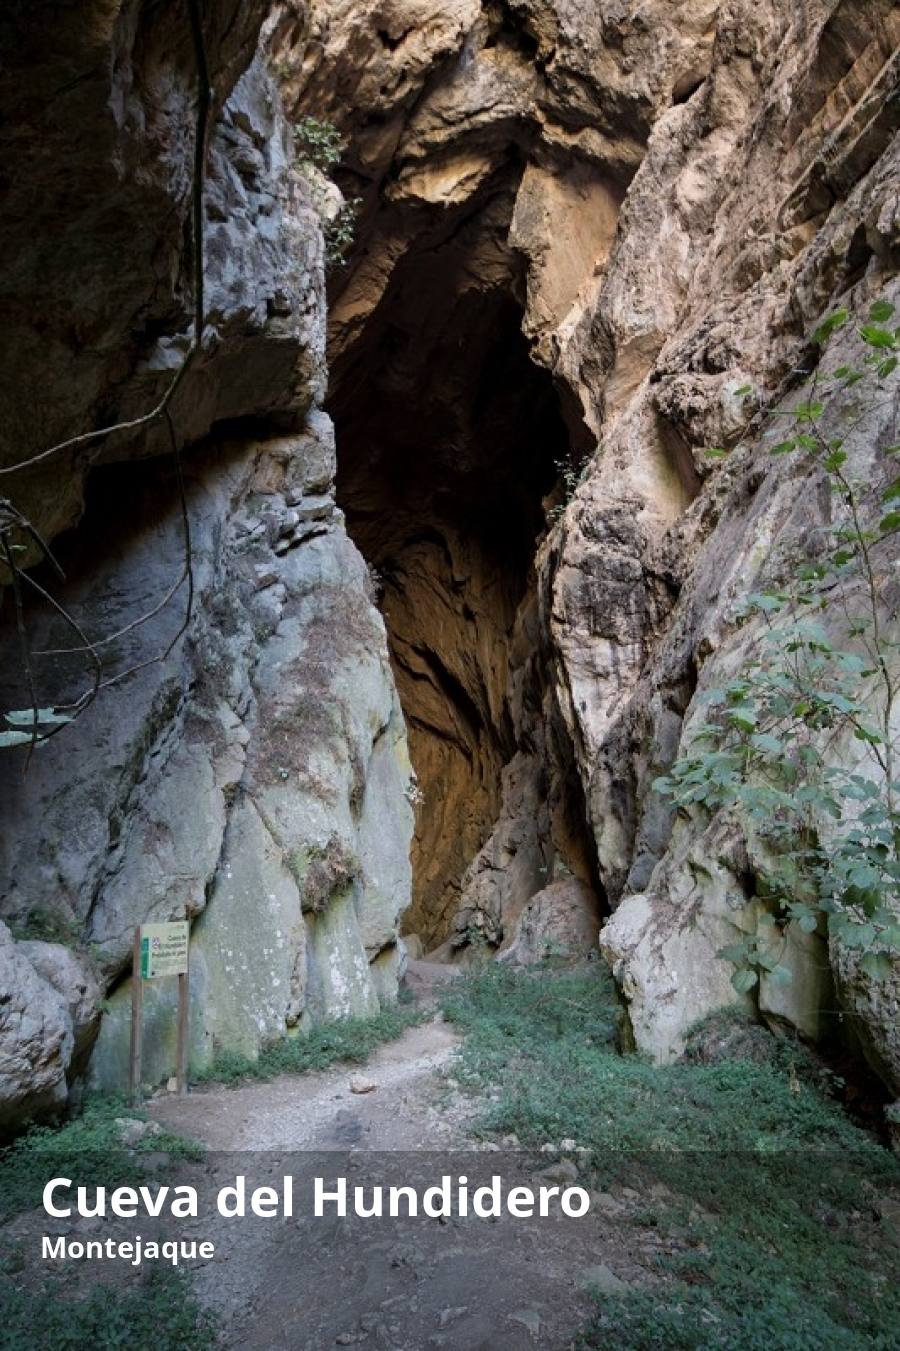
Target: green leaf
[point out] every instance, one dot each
(881, 311)
(764, 741)
(889, 522)
(877, 337)
(828, 326)
(767, 601)
(782, 975)
(715, 453)
(887, 367)
(892, 493)
(877, 965)
(744, 980)
(733, 952)
(808, 412)
(858, 935)
(784, 447)
(835, 460)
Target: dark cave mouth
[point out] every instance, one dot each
(446, 454)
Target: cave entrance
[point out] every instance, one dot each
(449, 437)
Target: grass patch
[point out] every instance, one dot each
(159, 1312)
(89, 1147)
(768, 1212)
(346, 1040)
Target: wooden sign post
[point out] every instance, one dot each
(159, 950)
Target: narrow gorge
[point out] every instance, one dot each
(438, 486)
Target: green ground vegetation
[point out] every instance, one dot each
(346, 1040)
(156, 1311)
(772, 1207)
(159, 1312)
(89, 1147)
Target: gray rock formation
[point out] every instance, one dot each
(249, 771)
(593, 243)
(36, 1038)
(663, 202)
(561, 921)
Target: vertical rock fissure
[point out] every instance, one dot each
(449, 442)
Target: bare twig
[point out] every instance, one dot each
(85, 700)
(189, 573)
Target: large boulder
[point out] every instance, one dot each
(562, 920)
(72, 975)
(36, 1039)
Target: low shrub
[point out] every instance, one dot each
(159, 1312)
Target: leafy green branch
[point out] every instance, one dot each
(829, 826)
(319, 147)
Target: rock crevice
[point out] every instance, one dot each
(673, 198)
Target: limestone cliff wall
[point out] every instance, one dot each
(592, 242)
(669, 197)
(248, 772)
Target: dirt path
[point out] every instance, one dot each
(319, 1112)
(406, 1284)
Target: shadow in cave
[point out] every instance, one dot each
(449, 437)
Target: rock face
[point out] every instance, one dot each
(36, 1038)
(560, 921)
(593, 241)
(662, 203)
(245, 768)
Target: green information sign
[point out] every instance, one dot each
(164, 949)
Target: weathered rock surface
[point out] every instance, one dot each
(664, 203)
(248, 772)
(586, 233)
(36, 1038)
(97, 283)
(72, 976)
(560, 921)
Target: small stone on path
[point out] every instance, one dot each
(562, 1172)
(131, 1130)
(360, 1083)
(450, 1315)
